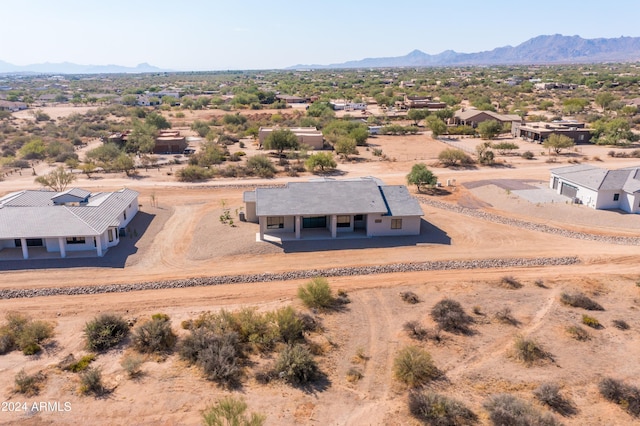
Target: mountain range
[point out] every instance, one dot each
(70, 68)
(544, 49)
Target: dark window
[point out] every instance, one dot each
(314, 222)
(344, 221)
(358, 217)
(110, 235)
(75, 240)
(616, 197)
(275, 222)
(396, 223)
(378, 220)
(125, 215)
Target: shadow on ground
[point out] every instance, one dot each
(429, 234)
(116, 257)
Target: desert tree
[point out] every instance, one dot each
(489, 129)
(280, 140)
(58, 180)
(421, 176)
(321, 161)
(558, 142)
(417, 114)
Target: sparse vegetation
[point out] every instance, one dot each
(410, 297)
(415, 330)
(591, 321)
(91, 382)
(450, 316)
(505, 409)
(621, 324)
(230, 411)
(217, 354)
(353, 375)
(132, 364)
(154, 335)
(23, 333)
(414, 367)
(505, 316)
(528, 350)
(616, 391)
(510, 282)
(29, 385)
(80, 365)
(435, 409)
(105, 331)
(296, 365)
(316, 294)
(578, 333)
(549, 394)
(579, 300)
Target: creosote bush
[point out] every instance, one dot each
(616, 391)
(505, 316)
(414, 367)
(23, 333)
(217, 354)
(296, 365)
(105, 331)
(316, 294)
(410, 297)
(528, 350)
(505, 409)
(155, 335)
(579, 300)
(230, 411)
(549, 395)
(510, 282)
(29, 385)
(450, 316)
(435, 409)
(91, 382)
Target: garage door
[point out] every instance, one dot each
(569, 190)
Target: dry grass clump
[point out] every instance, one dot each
(410, 297)
(132, 364)
(579, 300)
(578, 333)
(505, 316)
(29, 385)
(435, 409)
(414, 367)
(621, 324)
(616, 391)
(416, 331)
(451, 317)
(528, 351)
(506, 409)
(91, 382)
(230, 411)
(70, 363)
(549, 394)
(353, 375)
(510, 282)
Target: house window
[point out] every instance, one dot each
(616, 197)
(75, 240)
(344, 221)
(581, 137)
(110, 235)
(378, 220)
(358, 217)
(275, 222)
(124, 214)
(396, 223)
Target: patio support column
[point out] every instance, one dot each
(25, 250)
(63, 251)
(262, 221)
(334, 226)
(297, 226)
(99, 245)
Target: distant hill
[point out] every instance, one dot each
(544, 49)
(70, 68)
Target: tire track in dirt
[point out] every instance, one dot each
(501, 346)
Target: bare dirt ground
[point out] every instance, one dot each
(184, 238)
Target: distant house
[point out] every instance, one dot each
(555, 86)
(341, 105)
(72, 220)
(365, 206)
(306, 135)
(170, 142)
(144, 100)
(12, 106)
(419, 102)
(472, 117)
(292, 99)
(599, 188)
(539, 132)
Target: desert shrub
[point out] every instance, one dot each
(539, 283)
(105, 331)
(290, 327)
(342, 298)
(309, 322)
(410, 297)
(452, 156)
(414, 367)
(21, 332)
(579, 300)
(80, 365)
(265, 375)
(91, 382)
(261, 165)
(450, 316)
(132, 364)
(29, 385)
(620, 324)
(316, 294)
(528, 350)
(154, 335)
(216, 354)
(591, 321)
(435, 409)
(230, 411)
(415, 330)
(549, 394)
(578, 333)
(510, 282)
(627, 396)
(505, 316)
(193, 173)
(296, 365)
(353, 375)
(505, 409)
(528, 155)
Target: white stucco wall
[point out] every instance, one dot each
(605, 199)
(410, 225)
(250, 212)
(130, 211)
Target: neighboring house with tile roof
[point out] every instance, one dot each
(472, 117)
(599, 188)
(72, 220)
(364, 206)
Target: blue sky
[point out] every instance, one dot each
(264, 34)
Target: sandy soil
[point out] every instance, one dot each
(183, 238)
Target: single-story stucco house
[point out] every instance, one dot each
(599, 188)
(72, 220)
(364, 206)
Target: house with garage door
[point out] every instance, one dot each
(71, 220)
(599, 188)
(333, 208)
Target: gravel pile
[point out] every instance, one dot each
(293, 275)
(532, 226)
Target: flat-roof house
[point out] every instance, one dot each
(599, 188)
(306, 135)
(170, 142)
(472, 117)
(539, 132)
(340, 105)
(72, 220)
(12, 106)
(365, 206)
